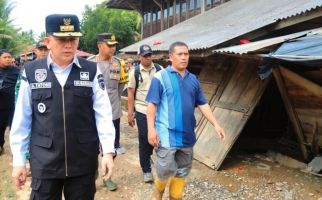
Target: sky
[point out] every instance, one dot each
(31, 14)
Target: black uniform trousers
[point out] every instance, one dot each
(5, 120)
(145, 149)
(116, 123)
(74, 188)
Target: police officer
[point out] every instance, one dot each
(112, 69)
(65, 114)
(8, 79)
(41, 50)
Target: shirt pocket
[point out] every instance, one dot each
(41, 100)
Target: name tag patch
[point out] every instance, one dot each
(34, 86)
(83, 83)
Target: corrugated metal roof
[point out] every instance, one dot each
(254, 47)
(124, 4)
(225, 22)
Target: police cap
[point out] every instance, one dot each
(41, 45)
(108, 38)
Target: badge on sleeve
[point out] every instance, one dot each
(41, 107)
(40, 75)
(100, 80)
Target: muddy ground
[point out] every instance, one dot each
(242, 176)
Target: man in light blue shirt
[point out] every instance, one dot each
(64, 113)
(173, 95)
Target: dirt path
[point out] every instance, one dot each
(240, 178)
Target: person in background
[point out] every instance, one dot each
(139, 83)
(8, 78)
(129, 64)
(64, 113)
(111, 68)
(173, 133)
(41, 50)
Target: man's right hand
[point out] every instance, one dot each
(19, 175)
(131, 120)
(153, 138)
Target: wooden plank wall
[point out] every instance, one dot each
(305, 91)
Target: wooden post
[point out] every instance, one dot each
(203, 6)
(291, 111)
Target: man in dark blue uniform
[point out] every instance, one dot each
(64, 114)
(8, 78)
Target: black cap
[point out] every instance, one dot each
(63, 25)
(144, 50)
(108, 38)
(40, 45)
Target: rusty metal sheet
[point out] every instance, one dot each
(226, 22)
(258, 46)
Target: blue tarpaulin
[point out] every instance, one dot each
(305, 51)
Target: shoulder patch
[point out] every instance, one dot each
(100, 80)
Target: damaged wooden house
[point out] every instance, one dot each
(281, 110)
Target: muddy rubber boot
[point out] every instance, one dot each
(159, 189)
(176, 188)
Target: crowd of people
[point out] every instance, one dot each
(68, 110)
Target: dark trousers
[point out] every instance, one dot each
(78, 188)
(5, 120)
(145, 149)
(117, 132)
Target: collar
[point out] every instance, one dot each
(50, 61)
(171, 70)
(143, 69)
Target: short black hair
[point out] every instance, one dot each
(175, 44)
(2, 51)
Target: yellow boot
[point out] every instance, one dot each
(176, 188)
(159, 189)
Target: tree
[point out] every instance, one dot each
(6, 30)
(10, 37)
(123, 23)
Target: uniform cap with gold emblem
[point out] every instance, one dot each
(108, 38)
(144, 50)
(63, 25)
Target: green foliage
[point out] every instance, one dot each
(10, 37)
(122, 23)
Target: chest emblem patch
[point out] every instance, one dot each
(41, 107)
(84, 76)
(40, 75)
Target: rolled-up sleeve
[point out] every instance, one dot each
(103, 114)
(21, 124)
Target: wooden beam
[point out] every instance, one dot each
(315, 139)
(291, 111)
(302, 82)
(299, 19)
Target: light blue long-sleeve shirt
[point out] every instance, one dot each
(21, 125)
